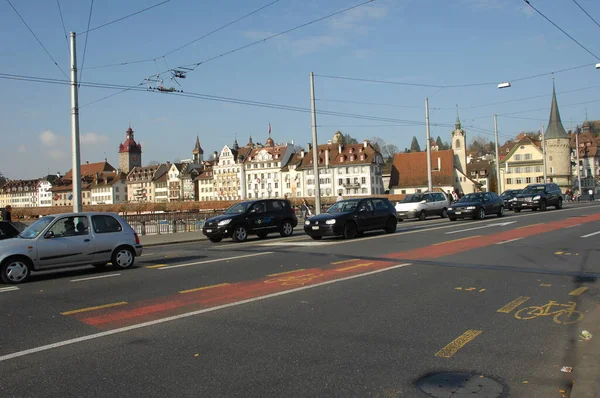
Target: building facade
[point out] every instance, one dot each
(141, 183)
(263, 170)
(589, 158)
(108, 188)
(228, 173)
(20, 193)
(130, 153)
(522, 165)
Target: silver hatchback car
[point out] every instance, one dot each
(68, 240)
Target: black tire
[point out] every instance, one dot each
(481, 213)
(422, 215)
(215, 240)
(390, 225)
(452, 218)
(240, 233)
(123, 257)
(543, 206)
(99, 265)
(559, 204)
(287, 229)
(316, 237)
(262, 234)
(16, 269)
(444, 213)
(516, 210)
(501, 211)
(350, 230)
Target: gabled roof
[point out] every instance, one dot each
(276, 151)
(478, 165)
(350, 154)
(523, 141)
(555, 128)
(412, 169)
(90, 169)
(148, 173)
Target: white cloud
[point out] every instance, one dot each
(21, 148)
(315, 43)
(57, 154)
(356, 18)
(92, 139)
(48, 137)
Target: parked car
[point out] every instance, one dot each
(476, 206)
(352, 217)
(66, 240)
(7, 230)
(539, 196)
(510, 197)
(254, 217)
(423, 205)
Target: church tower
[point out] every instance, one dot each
(459, 146)
(130, 153)
(198, 152)
(558, 151)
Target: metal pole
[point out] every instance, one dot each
(76, 176)
(577, 168)
(428, 143)
(499, 180)
(544, 153)
(315, 146)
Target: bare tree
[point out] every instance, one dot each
(3, 180)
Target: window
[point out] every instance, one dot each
(457, 144)
(528, 156)
(528, 180)
(70, 226)
(517, 157)
(517, 170)
(527, 169)
(551, 169)
(340, 181)
(275, 205)
(538, 169)
(509, 181)
(364, 190)
(519, 180)
(379, 204)
(363, 180)
(550, 158)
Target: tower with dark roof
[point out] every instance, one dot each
(198, 152)
(558, 151)
(130, 153)
(459, 145)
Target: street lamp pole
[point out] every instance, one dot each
(498, 189)
(544, 153)
(315, 147)
(76, 176)
(428, 143)
(577, 168)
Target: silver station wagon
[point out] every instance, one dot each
(69, 240)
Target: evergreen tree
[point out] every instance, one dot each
(414, 145)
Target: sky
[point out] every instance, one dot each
(427, 45)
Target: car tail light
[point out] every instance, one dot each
(137, 238)
(294, 210)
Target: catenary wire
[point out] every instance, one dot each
(124, 17)
(62, 20)
(586, 13)
(86, 38)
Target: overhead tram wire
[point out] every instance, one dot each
(38, 40)
(188, 43)
(62, 20)
(124, 17)
(370, 103)
(559, 28)
(86, 39)
(586, 13)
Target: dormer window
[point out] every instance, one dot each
(351, 156)
(362, 157)
(341, 158)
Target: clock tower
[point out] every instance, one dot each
(130, 153)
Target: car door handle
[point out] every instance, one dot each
(86, 240)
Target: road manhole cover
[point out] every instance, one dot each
(454, 384)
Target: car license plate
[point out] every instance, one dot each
(315, 227)
(208, 231)
(458, 212)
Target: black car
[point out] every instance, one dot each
(255, 217)
(539, 196)
(510, 197)
(7, 230)
(476, 206)
(352, 217)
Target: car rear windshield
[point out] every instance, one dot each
(472, 197)
(412, 198)
(534, 189)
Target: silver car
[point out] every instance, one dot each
(68, 240)
(423, 205)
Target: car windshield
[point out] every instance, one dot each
(534, 189)
(238, 208)
(343, 206)
(510, 194)
(472, 197)
(414, 198)
(36, 228)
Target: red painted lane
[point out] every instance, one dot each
(156, 308)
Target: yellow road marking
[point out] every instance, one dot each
(457, 344)
(545, 284)
(578, 291)
(456, 240)
(482, 290)
(286, 272)
(97, 307)
(354, 266)
(559, 253)
(458, 288)
(530, 225)
(155, 266)
(470, 289)
(344, 261)
(507, 309)
(203, 288)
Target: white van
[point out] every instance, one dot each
(423, 205)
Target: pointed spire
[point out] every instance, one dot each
(555, 128)
(457, 124)
(197, 147)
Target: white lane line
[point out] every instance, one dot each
(94, 277)
(572, 226)
(186, 315)
(214, 260)
(502, 224)
(592, 234)
(8, 289)
(298, 244)
(508, 241)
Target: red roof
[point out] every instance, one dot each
(90, 169)
(130, 145)
(412, 169)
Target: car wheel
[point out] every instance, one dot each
(316, 237)
(262, 234)
(99, 265)
(481, 213)
(350, 230)
(543, 206)
(15, 270)
(516, 210)
(422, 215)
(452, 218)
(501, 212)
(559, 204)
(390, 225)
(215, 240)
(444, 213)
(240, 233)
(286, 229)
(123, 257)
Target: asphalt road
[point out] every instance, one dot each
(294, 317)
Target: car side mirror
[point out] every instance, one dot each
(49, 235)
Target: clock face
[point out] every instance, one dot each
(135, 158)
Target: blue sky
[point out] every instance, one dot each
(431, 42)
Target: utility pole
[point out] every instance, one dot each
(76, 177)
(577, 168)
(428, 143)
(315, 146)
(544, 153)
(499, 180)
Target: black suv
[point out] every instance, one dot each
(255, 217)
(539, 196)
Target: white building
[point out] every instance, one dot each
(20, 193)
(228, 173)
(108, 188)
(263, 169)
